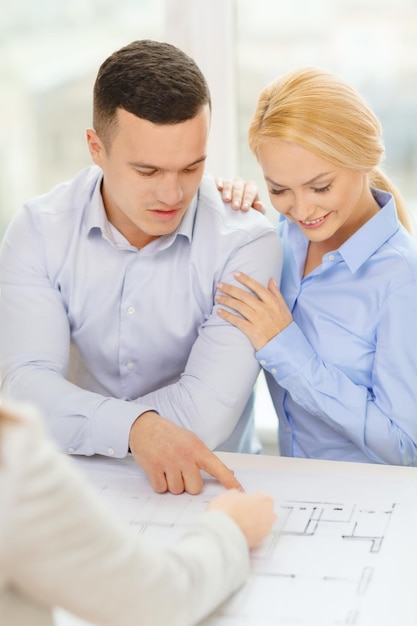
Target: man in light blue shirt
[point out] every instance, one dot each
(108, 281)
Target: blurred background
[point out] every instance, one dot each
(51, 51)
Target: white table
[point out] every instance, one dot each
(343, 550)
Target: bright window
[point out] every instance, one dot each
(50, 54)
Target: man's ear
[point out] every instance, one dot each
(95, 146)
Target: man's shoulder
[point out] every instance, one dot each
(67, 195)
(213, 213)
(58, 214)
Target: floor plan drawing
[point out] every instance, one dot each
(341, 547)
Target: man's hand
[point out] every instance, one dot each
(242, 194)
(173, 457)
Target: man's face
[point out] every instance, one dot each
(151, 173)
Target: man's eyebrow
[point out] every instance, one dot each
(309, 182)
(149, 166)
(200, 160)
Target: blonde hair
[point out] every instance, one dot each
(319, 111)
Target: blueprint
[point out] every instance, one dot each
(342, 552)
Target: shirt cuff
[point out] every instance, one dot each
(286, 353)
(110, 427)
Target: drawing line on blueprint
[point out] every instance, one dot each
(312, 549)
(330, 525)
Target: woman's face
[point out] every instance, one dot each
(325, 201)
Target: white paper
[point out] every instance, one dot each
(343, 550)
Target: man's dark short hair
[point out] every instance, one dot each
(153, 80)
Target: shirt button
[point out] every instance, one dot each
(331, 257)
(273, 371)
(130, 310)
(71, 450)
(110, 451)
(263, 362)
(130, 365)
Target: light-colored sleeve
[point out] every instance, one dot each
(221, 370)
(66, 549)
(381, 421)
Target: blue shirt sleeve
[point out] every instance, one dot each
(381, 421)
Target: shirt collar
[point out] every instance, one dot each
(373, 234)
(186, 226)
(96, 215)
(96, 219)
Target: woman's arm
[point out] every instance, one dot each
(380, 420)
(66, 549)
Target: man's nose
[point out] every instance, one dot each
(170, 190)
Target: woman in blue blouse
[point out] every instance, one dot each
(338, 340)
